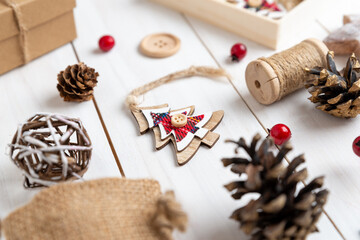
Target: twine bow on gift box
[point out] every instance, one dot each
(22, 28)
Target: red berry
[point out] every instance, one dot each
(106, 43)
(280, 133)
(238, 52)
(356, 146)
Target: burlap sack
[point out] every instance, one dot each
(110, 208)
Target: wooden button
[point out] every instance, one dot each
(178, 120)
(160, 45)
(255, 3)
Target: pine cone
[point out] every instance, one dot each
(337, 94)
(279, 212)
(77, 83)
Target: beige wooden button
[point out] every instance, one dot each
(255, 3)
(178, 120)
(160, 45)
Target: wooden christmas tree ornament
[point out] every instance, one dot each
(270, 79)
(185, 130)
(281, 211)
(50, 148)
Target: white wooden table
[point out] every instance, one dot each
(325, 140)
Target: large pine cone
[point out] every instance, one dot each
(337, 94)
(77, 83)
(279, 211)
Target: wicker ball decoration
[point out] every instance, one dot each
(51, 148)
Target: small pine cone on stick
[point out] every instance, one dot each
(335, 93)
(279, 211)
(76, 83)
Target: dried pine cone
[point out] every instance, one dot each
(337, 94)
(279, 212)
(76, 83)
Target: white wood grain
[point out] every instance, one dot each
(30, 89)
(325, 140)
(198, 184)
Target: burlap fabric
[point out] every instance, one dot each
(110, 208)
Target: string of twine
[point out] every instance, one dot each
(169, 215)
(289, 65)
(133, 99)
(22, 29)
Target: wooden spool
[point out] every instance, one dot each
(263, 82)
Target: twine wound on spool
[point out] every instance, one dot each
(270, 79)
(22, 29)
(133, 101)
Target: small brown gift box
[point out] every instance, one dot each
(31, 28)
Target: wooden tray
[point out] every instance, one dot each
(261, 29)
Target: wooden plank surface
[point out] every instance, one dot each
(325, 140)
(198, 184)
